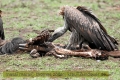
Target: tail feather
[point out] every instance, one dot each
(112, 42)
(107, 41)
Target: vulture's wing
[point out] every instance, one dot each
(2, 36)
(1, 24)
(86, 24)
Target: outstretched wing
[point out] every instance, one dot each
(90, 28)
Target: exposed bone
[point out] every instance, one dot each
(55, 54)
(62, 53)
(34, 53)
(91, 53)
(30, 40)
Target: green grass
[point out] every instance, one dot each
(23, 17)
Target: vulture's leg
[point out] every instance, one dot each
(75, 39)
(81, 42)
(70, 41)
(85, 46)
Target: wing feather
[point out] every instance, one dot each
(89, 27)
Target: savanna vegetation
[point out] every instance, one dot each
(26, 18)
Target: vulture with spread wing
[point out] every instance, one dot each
(84, 27)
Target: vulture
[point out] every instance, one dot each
(2, 36)
(85, 28)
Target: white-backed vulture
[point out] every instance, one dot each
(88, 28)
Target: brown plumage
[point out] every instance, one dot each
(41, 38)
(37, 42)
(2, 36)
(89, 27)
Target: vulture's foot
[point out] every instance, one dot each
(85, 47)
